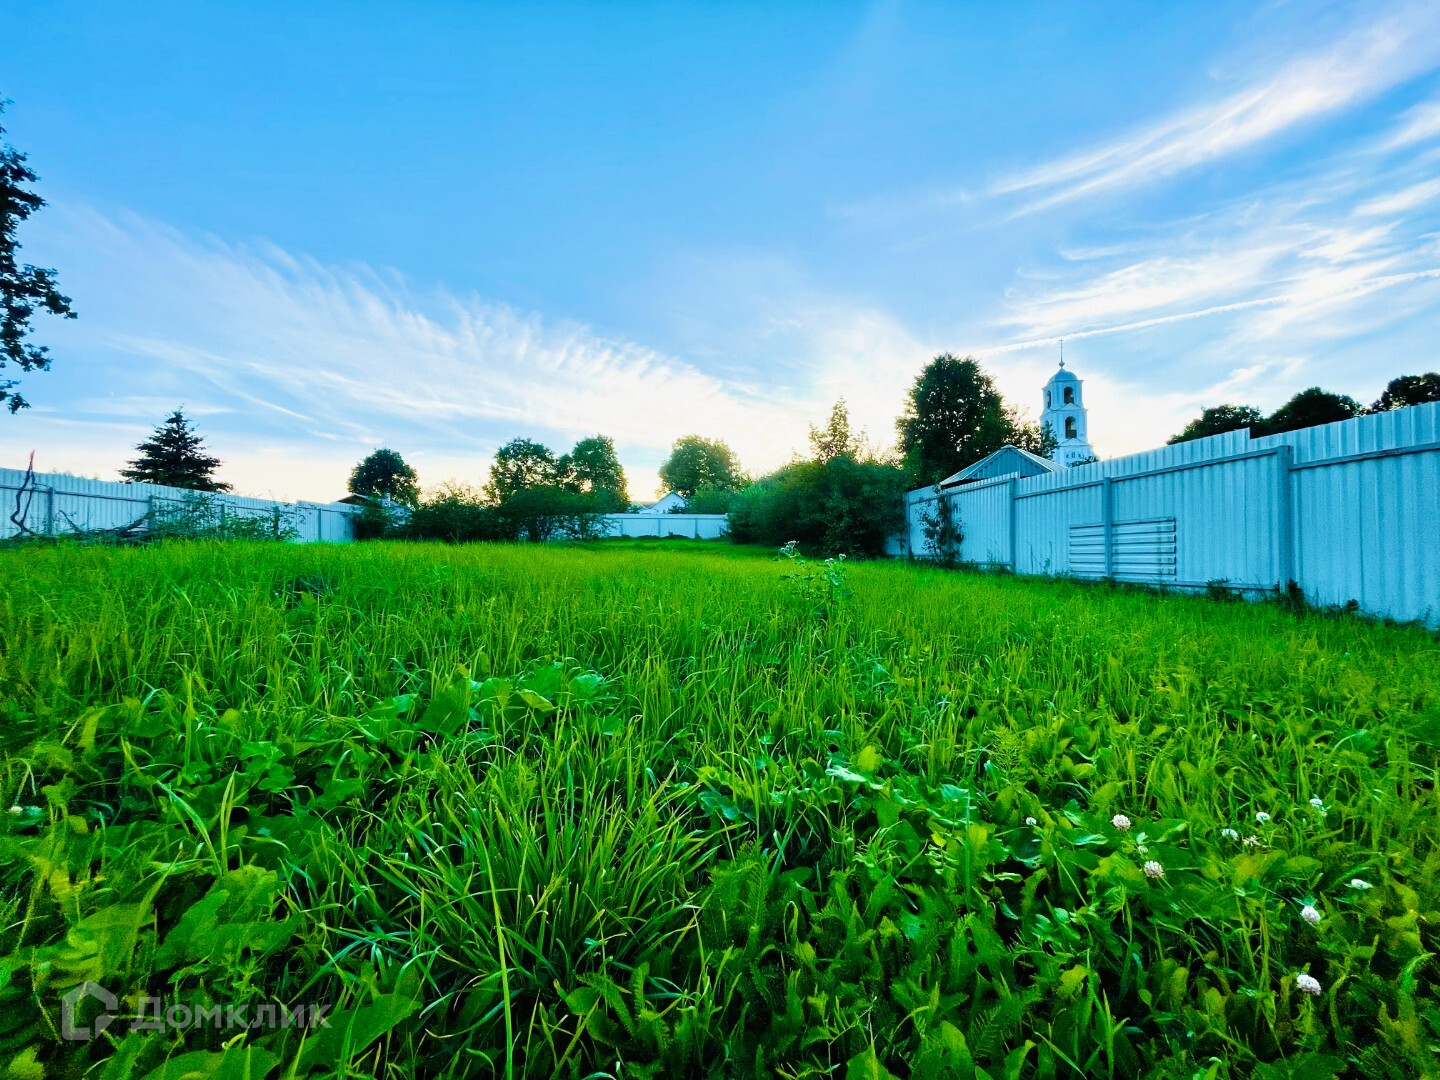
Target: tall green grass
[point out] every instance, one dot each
(687, 810)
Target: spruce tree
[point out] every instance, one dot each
(175, 457)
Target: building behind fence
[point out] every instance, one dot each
(1349, 511)
(53, 504)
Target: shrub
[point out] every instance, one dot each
(201, 516)
(841, 507)
(942, 530)
(455, 513)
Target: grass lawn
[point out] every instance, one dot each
(676, 808)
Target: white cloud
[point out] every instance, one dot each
(1401, 201)
(296, 369)
(1361, 66)
(1420, 124)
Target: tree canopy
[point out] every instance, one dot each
(834, 439)
(592, 468)
(1409, 390)
(384, 474)
(1309, 408)
(1219, 419)
(519, 465)
(696, 463)
(174, 456)
(24, 289)
(953, 417)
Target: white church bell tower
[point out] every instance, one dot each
(1065, 413)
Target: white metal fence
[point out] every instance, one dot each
(56, 504)
(1350, 511)
(695, 526)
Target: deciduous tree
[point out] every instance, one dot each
(953, 417)
(384, 474)
(24, 289)
(695, 462)
(518, 465)
(1309, 408)
(1409, 390)
(1218, 419)
(835, 439)
(592, 468)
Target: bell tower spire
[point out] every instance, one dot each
(1065, 412)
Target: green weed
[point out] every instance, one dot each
(686, 810)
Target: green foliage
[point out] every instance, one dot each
(538, 514)
(943, 531)
(538, 811)
(1309, 408)
(1409, 390)
(24, 289)
(953, 417)
(454, 513)
(384, 474)
(202, 516)
(1039, 439)
(695, 463)
(710, 500)
(835, 439)
(592, 469)
(839, 507)
(1219, 419)
(520, 464)
(174, 456)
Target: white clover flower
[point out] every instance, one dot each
(1251, 841)
(1031, 821)
(1120, 821)
(1308, 984)
(1230, 834)
(1317, 802)
(1262, 817)
(1310, 915)
(1360, 883)
(1154, 870)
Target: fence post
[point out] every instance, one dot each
(1014, 534)
(1284, 517)
(50, 511)
(1107, 523)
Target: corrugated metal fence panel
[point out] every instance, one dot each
(1368, 530)
(1043, 520)
(692, 526)
(1350, 510)
(62, 504)
(1224, 514)
(982, 511)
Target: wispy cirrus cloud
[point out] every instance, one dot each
(1359, 67)
(316, 364)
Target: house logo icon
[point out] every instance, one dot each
(69, 1029)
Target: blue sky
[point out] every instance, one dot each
(436, 226)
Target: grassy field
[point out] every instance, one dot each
(683, 809)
